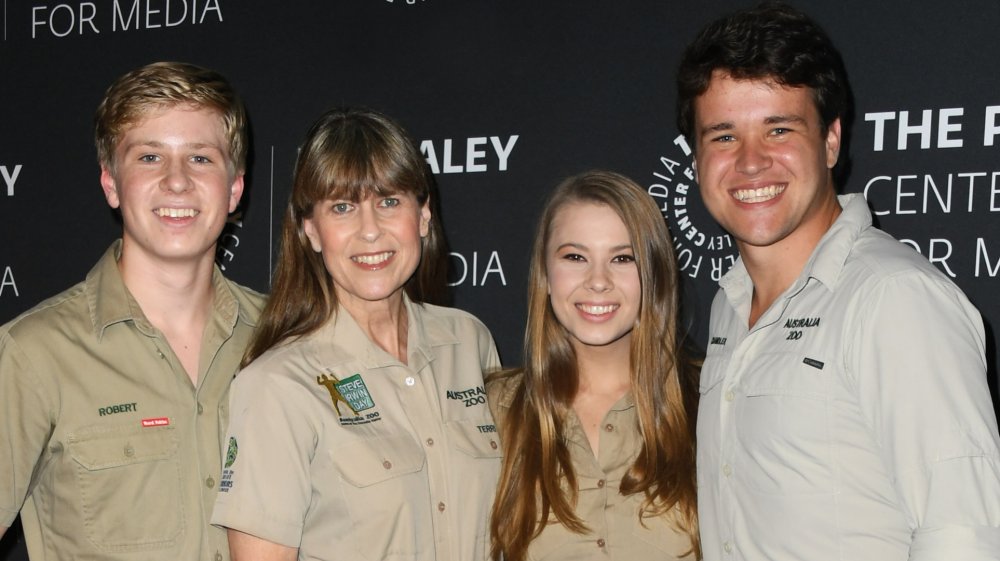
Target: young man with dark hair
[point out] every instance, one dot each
(844, 408)
(115, 392)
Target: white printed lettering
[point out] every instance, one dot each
(9, 178)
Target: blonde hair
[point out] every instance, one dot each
(166, 84)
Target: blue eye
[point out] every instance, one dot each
(390, 202)
(340, 208)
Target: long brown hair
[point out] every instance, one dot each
(663, 377)
(347, 154)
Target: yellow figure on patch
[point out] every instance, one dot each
(335, 395)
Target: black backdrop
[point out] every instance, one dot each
(506, 98)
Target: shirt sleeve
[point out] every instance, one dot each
(26, 421)
(920, 372)
(266, 483)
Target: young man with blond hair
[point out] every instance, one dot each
(115, 392)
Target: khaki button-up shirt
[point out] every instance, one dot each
(111, 450)
(342, 451)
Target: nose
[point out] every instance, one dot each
(752, 158)
(599, 279)
(369, 228)
(176, 179)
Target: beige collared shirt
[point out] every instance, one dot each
(340, 450)
(613, 518)
(110, 449)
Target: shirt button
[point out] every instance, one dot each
(600, 542)
(728, 547)
(609, 427)
(727, 470)
(440, 507)
(160, 354)
(600, 483)
(730, 395)
(129, 451)
(209, 483)
(493, 444)
(410, 381)
(200, 409)
(387, 464)
(430, 442)
(218, 556)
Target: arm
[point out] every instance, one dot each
(245, 547)
(918, 358)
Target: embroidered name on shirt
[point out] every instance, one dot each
(718, 341)
(799, 323)
(471, 396)
(796, 325)
(115, 409)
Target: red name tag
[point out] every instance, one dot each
(157, 422)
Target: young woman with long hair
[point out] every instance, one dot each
(597, 427)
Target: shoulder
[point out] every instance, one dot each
(452, 317)
(879, 262)
(251, 303)
(65, 312)
(502, 386)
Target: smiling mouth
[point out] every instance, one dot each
(759, 194)
(176, 212)
(373, 259)
(597, 310)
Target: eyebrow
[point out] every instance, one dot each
(575, 245)
(771, 120)
(158, 144)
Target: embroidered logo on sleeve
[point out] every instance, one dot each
(227, 473)
(231, 452)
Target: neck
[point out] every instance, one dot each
(385, 322)
(604, 370)
(773, 268)
(169, 293)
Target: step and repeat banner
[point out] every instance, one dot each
(506, 98)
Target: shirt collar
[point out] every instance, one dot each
(341, 339)
(110, 301)
(827, 259)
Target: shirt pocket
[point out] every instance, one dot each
(478, 464)
(129, 480)
(387, 499)
(783, 427)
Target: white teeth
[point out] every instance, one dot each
(176, 212)
(758, 195)
(598, 310)
(372, 259)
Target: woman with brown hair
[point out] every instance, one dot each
(597, 427)
(346, 440)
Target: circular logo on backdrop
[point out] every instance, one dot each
(704, 250)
